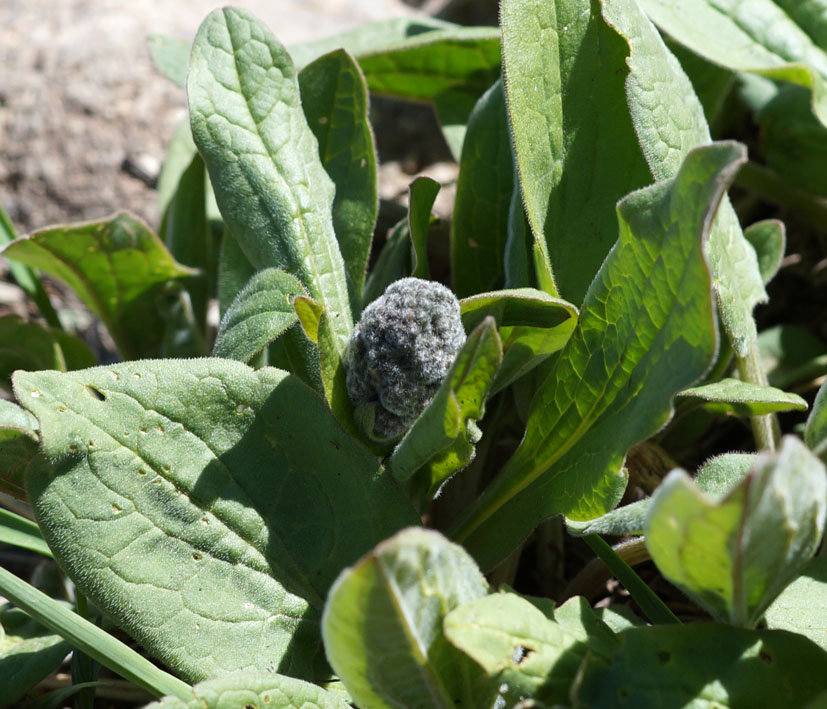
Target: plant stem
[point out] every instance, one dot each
(654, 608)
(765, 428)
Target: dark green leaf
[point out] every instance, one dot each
(421, 195)
(394, 262)
(383, 625)
(816, 432)
(17, 448)
(791, 354)
(28, 653)
(734, 554)
(258, 315)
(734, 396)
(21, 532)
(263, 159)
(234, 271)
(703, 665)
(335, 101)
(645, 331)
(176, 495)
(768, 238)
(117, 266)
(30, 345)
(576, 148)
(479, 227)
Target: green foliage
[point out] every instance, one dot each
(238, 516)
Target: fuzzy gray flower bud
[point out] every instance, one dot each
(401, 350)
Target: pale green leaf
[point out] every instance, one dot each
(117, 266)
(703, 666)
(744, 398)
(801, 607)
(518, 645)
(723, 472)
(769, 239)
(733, 555)
(176, 495)
(263, 159)
(754, 35)
(576, 149)
(443, 438)
(645, 331)
(170, 56)
(254, 690)
(816, 432)
(383, 625)
(258, 315)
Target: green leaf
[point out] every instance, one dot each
(258, 315)
(669, 122)
(186, 231)
(800, 608)
(703, 665)
(170, 56)
(723, 472)
(30, 345)
(711, 82)
(117, 266)
(14, 416)
(17, 448)
(769, 239)
(383, 625)
(175, 494)
(254, 690)
(576, 148)
(733, 396)
(443, 439)
(180, 153)
(334, 97)
(450, 68)
(394, 262)
(89, 638)
(234, 271)
(757, 36)
(815, 434)
(421, 195)
(479, 226)
(27, 279)
(518, 645)
(28, 653)
(263, 159)
(733, 555)
(21, 532)
(791, 354)
(532, 324)
(646, 330)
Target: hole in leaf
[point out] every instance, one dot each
(521, 652)
(95, 393)
(663, 657)
(266, 699)
(142, 472)
(196, 556)
(137, 375)
(35, 394)
(765, 657)
(116, 508)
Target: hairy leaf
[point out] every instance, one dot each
(176, 495)
(646, 330)
(800, 606)
(744, 398)
(735, 554)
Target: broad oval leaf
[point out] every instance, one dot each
(479, 226)
(769, 239)
(744, 398)
(263, 159)
(116, 266)
(254, 690)
(258, 315)
(703, 665)
(735, 554)
(206, 507)
(576, 149)
(383, 625)
(646, 330)
(28, 653)
(773, 38)
(335, 102)
(516, 644)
